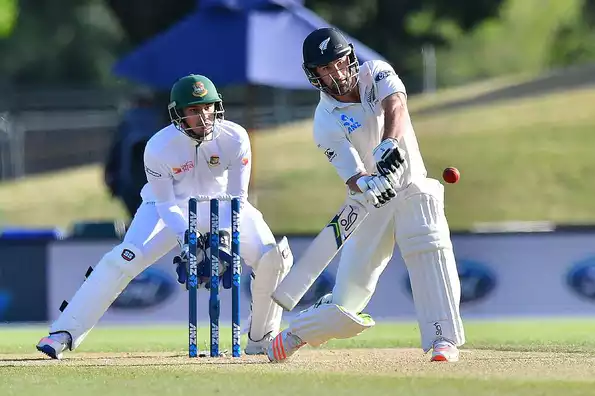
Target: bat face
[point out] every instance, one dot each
(346, 221)
(319, 254)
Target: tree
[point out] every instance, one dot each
(520, 41)
(141, 22)
(73, 41)
(398, 28)
(8, 14)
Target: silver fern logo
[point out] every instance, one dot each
(323, 45)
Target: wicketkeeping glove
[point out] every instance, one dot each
(181, 261)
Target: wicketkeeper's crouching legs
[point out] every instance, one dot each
(270, 263)
(109, 278)
(145, 242)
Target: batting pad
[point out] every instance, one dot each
(111, 275)
(322, 322)
(268, 273)
(423, 236)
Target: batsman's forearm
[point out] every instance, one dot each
(352, 182)
(396, 116)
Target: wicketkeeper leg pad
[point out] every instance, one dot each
(111, 275)
(269, 271)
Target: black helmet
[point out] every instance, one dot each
(323, 46)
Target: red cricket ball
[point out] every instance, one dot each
(451, 175)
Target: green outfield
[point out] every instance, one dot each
(530, 357)
(522, 159)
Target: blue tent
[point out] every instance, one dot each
(234, 42)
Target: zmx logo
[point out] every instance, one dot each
(236, 331)
(215, 334)
(193, 348)
(192, 332)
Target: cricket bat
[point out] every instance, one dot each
(319, 254)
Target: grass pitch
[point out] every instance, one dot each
(541, 357)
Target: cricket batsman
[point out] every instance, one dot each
(362, 126)
(199, 153)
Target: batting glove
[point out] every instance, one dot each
(376, 190)
(390, 160)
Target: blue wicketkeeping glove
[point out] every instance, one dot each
(204, 266)
(181, 261)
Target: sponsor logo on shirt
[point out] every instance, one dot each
(245, 161)
(152, 172)
(185, 167)
(330, 154)
(350, 123)
(383, 74)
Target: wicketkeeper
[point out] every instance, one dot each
(199, 153)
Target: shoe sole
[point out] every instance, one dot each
(442, 358)
(255, 353)
(49, 351)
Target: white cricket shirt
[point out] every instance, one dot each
(347, 133)
(177, 168)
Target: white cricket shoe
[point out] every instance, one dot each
(283, 346)
(259, 347)
(444, 351)
(54, 344)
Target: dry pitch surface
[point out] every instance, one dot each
(401, 362)
(506, 358)
(338, 372)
